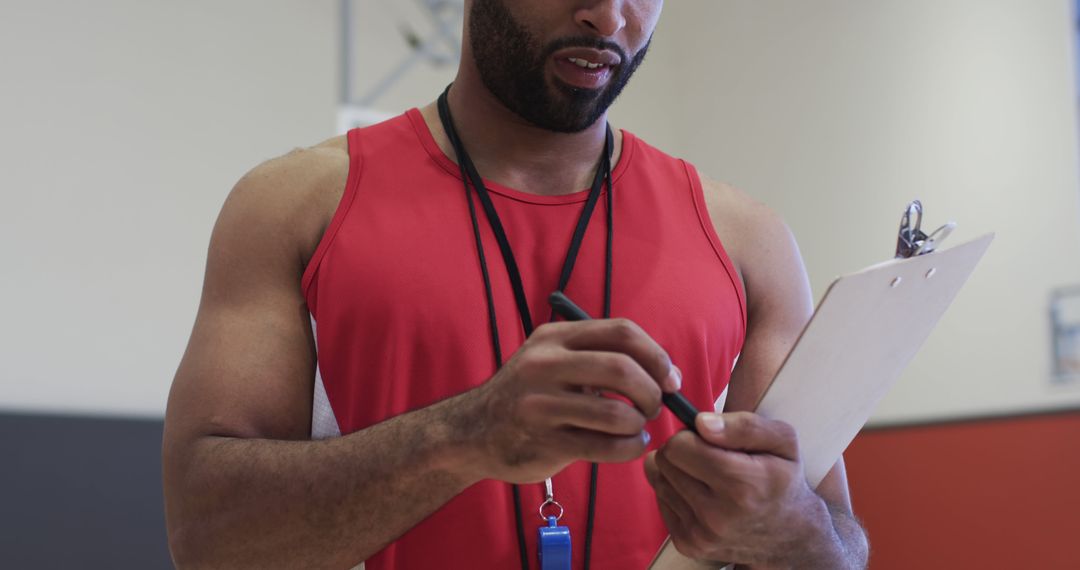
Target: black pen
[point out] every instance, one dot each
(675, 401)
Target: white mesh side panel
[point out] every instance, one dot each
(323, 422)
(718, 406)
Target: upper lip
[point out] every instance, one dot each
(591, 55)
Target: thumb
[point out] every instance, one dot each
(750, 433)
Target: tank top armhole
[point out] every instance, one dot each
(347, 197)
(714, 239)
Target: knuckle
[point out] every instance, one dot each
(783, 479)
(533, 406)
(532, 362)
(746, 500)
(625, 329)
(786, 432)
(551, 332)
(662, 358)
(526, 364)
(616, 414)
(619, 369)
(542, 332)
(620, 366)
(739, 420)
(747, 425)
(753, 431)
(607, 412)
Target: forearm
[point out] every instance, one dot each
(832, 539)
(262, 503)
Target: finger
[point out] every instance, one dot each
(693, 490)
(749, 432)
(682, 516)
(675, 524)
(688, 530)
(711, 466)
(601, 448)
(605, 415)
(612, 372)
(626, 337)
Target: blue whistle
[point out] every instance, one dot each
(554, 544)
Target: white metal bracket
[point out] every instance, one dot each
(441, 45)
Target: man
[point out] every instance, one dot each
(342, 400)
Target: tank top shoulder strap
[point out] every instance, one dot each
(666, 171)
(709, 229)
(353, 138)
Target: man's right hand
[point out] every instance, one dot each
(544, 408)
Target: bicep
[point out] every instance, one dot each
(247, 372)
(249, 365)
(778, 307)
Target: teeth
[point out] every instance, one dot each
(584, 64)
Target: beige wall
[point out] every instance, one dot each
(125, 123)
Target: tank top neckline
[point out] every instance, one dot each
(428, 141)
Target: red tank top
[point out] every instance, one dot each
(397, 300)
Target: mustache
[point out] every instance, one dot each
(586, 42)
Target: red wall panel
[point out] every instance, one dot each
(987, 494)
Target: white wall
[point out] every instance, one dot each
(838, 112)
(125, 123)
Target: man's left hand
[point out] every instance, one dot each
(738, 492)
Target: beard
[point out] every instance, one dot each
(511, 64)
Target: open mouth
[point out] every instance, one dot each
(584, 63)
(585, 68)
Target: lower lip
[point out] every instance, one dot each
(582, 77)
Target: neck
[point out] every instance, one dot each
(508, 150)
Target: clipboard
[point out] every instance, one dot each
(865, 331)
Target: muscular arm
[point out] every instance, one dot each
(244, 486)
(737, 490)
(779, 306)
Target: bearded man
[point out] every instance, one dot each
(374, 377)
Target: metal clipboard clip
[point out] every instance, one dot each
(912, 241)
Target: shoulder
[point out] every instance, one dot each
(296, 178)
(287, 201)
(756, 238)
(735, 211)
(301, 166)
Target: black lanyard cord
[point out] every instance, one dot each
(469, 174)
(594, 471)
(451, 133)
